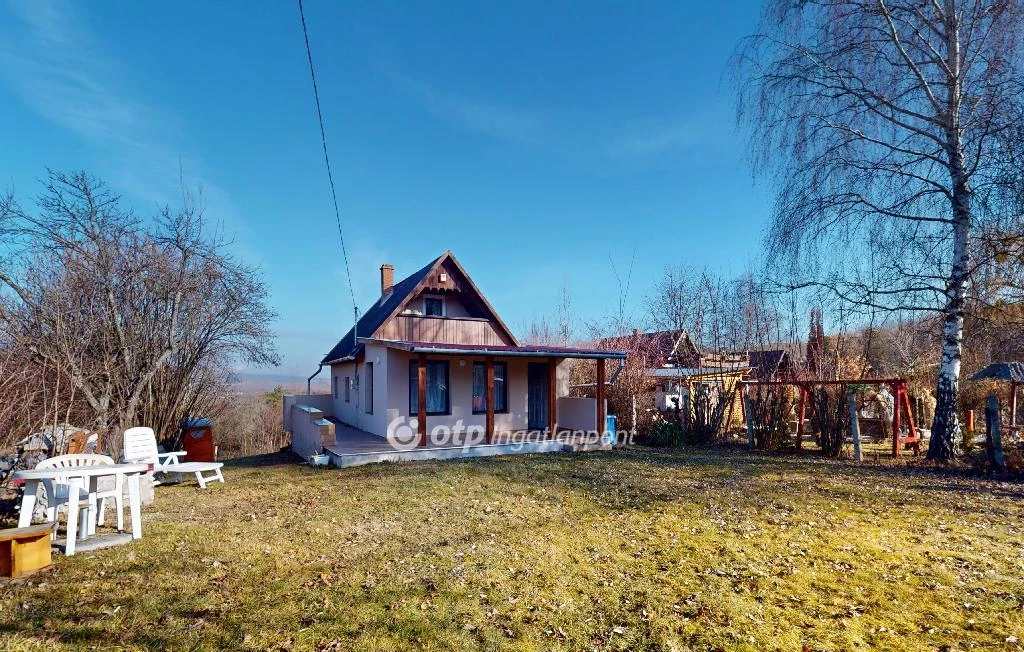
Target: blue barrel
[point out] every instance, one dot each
(609, 425)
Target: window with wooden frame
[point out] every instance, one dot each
(348, 387)
(334, 386)
(433, 306)
(480, 388)
(438, 394)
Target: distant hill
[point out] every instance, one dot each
(255, 382)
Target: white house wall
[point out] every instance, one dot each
(452, 306)
(460, 370)
(391, 392)
(353, 412)
(346, 412)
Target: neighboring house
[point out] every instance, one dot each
(673, 385)
(771, 365)
(674, 365)
(432, 352)
(670, 348)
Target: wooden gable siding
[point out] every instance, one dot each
(455, 281)
(444, 330)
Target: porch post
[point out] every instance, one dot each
(489, 367)
(552, 397)
(601, 426)
(421, 382)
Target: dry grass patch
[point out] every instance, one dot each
(637, 550)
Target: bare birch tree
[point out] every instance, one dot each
(887, 125)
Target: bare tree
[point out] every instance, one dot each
(670, 304)
(887, 125)
(566, 318)
(111, 302)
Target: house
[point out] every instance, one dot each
(674, 366)
(667, 348)
(431, 365)
(771, 365)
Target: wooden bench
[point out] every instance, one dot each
(25, 550)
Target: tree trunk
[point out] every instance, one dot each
(946, 426)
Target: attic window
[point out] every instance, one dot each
(433, 306)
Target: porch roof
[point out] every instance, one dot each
(530, 351)
(683, 372)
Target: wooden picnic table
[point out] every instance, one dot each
(77, 479)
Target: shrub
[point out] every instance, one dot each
(667, 433)
(769, 416)
(831, 418)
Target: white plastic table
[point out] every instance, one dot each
(78, 478)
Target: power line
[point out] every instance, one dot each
(327, 161)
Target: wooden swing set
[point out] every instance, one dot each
(901, 408)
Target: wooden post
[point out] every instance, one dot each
(421, 384)
(750, 418)
(897, 388)
(552, 398)
(970, 421)
(911, 426)
(489, 369)
(601, 412)
(1013, 406)
(855, 427)
(994, 440)
(736, 387)
(687, 408)
(632, 423)
(800, 412)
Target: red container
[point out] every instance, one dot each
(197, 440)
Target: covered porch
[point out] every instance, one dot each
(481, 394)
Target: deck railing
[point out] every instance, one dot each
(443, 330)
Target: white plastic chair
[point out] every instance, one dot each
(58, 493)
(140, 446)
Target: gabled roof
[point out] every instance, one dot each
(1011, 371)
(702, 372)
(660, 347)
(766, 363)
(404, 290)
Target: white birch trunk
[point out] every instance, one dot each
(946, 426)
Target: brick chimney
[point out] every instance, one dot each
(387, 278)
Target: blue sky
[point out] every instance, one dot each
(537, 141)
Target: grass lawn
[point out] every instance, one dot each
(637, 550)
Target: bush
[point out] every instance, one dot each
(831, 418)
(667, 433)
(769, 415)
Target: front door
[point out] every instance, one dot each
(537, 396)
